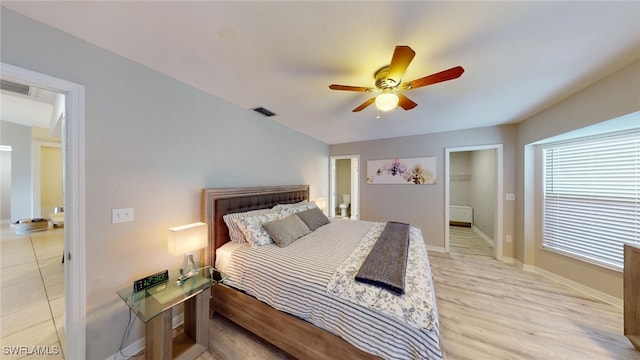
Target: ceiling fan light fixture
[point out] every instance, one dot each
(387, 101)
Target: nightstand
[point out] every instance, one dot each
(153, 306)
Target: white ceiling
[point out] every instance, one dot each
(36, 109)
(519, 57)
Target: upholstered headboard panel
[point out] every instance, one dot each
(218, 202)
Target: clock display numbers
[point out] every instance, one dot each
(150, 281)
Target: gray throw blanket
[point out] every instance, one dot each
(386, 264)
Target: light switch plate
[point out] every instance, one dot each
(121, 215)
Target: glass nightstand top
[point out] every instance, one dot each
(153, 301)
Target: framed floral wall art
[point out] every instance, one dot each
(411, 171)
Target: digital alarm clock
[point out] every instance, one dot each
(150, 281)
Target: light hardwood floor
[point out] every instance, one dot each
(488, 310)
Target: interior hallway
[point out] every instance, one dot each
(32, 294)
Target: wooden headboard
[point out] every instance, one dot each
(221, 201)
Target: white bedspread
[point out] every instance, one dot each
(294, 279)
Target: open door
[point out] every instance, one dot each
(344, 199)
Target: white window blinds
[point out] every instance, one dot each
(592, 197)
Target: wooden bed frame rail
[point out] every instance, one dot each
(298, 338)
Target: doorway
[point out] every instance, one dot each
(473, 195)
(344, 199)
(72, 132)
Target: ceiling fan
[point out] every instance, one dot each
(389, 85)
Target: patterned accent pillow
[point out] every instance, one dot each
(235, 234)
(252, 229)
(298, 207)
(289, 206)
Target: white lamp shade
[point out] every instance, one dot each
(387, 101)
(187, 238)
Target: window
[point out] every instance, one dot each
(592, 197)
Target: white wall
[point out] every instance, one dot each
(5, 186)
(19, 138)
(152, 144)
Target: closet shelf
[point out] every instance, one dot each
(460, 176)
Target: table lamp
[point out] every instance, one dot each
(185, 240)
(321, 202)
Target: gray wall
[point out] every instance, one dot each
(19, 138)
(473, 183)
(459, 182)
(614, 96)
(423, 205)
(152, 144)
(483, 190)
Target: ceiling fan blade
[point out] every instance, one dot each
(401, 59)
(364, 104)
(406, 103)
(349, 88)
(445, 75)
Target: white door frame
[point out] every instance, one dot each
(74, 229)
(355, 185)
(498, 219)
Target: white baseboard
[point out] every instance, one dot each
(436, 249)
(508, 260)
(582, 288)
(572, 284)
(486, 237)
(522, 266)
(133, 349)
(138, 345)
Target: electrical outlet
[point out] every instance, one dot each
(508, 238)
(511, 196)
(121, 215)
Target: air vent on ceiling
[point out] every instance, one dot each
(263, 111)
(14, 87)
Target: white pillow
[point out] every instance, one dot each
(251, 227)
(235, 234)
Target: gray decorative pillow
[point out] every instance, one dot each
(314, 218)
(287, 230)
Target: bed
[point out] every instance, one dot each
(319, 328)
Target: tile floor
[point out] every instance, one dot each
(31, 294)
